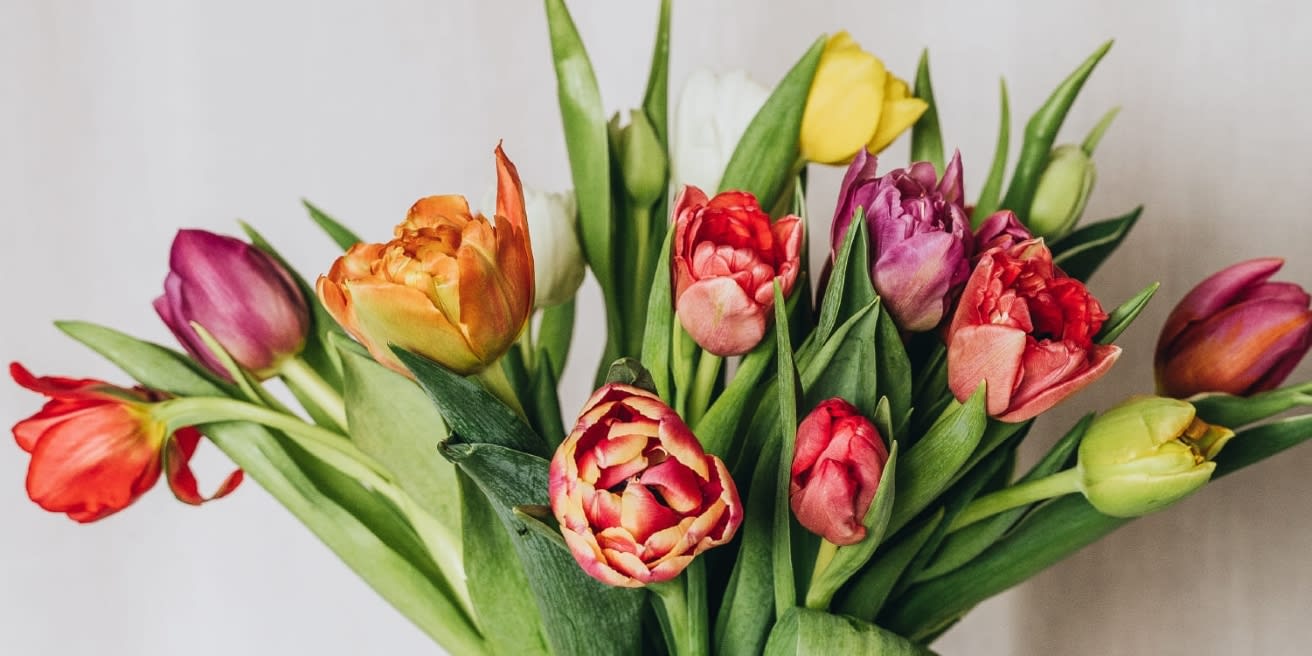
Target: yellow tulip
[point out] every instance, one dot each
(450, 286)
(854, 103)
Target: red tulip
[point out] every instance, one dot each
(1026, 329)
(1235, 333)
(635, 495)
(726, 257)
(96, 449)
(836, 469)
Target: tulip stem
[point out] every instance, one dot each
(1061, 483)
(311, 387)
(642, 280)
(707, 375)
(822, 559)
(495, 381)
(683, 600)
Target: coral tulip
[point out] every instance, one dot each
(726, 257)
(96, 449)
(837, 465)
(1236, 332)
(635, 495)
(449, 286)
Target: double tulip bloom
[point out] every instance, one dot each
(449, 286)
(96, 449)
(1236, 332)
(727, 255)
(854, 104)
(635, 495)
(919, 235)
(239, 294)
(1026, 329)
(837, 464)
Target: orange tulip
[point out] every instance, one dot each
(450, 286)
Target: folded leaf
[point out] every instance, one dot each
(805, 632)
(1080, 253)
(926, 135)
(930, 466)
(992, 189)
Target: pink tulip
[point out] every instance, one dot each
(1001, 230)
(726, 257)
(836, 469)
(920, 237)
(636, 496)
(1026, 329)
(1235, 333)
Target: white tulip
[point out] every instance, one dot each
(553, 234)
(713, 112)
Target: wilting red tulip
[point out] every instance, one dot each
(635, 495)
(1001, 230)
(96, 449)
(920, 241)
(1026, 329)
(726, 257)
(836, 469)
(1235, 333)
(240, 295)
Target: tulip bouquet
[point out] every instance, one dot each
(775, 459)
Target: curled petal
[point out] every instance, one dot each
(720, 317)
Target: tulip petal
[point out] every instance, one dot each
(407, 317)
(896, 118)
(1100, 361)
(1239, 350)
(990, 354)
(844, 105)
(1215, 293)
(916, 274)
(720, 317)
(177, 470)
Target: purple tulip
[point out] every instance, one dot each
(919, 235)
(1001, 230)
(237, 292)
(1236, 332)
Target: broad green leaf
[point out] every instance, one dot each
(1236, 411)
(580, 614)
(1041, 131)
(996, 433)
(1080, 253)
(864, 597)
(471, 411)
(657, 342)
(340, 234)
(785, 591)
(767, 156)
(930, 466)
(806, 632)
(992, 189)
(555, 334)
(1125, 314)
(855, 243)
(497, 582)
(849, 559)
(546, 404)
(893, 371)
(926, 135)
(165, 369)
(1257, 444)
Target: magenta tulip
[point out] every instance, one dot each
(836, 469)
(726, 257)
(1235, 333)
(1001, 230)
(919, 236)
(1026, 329)
(238, 293)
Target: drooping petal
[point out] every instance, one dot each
(177, 470)
(990, 354)
(720, 317)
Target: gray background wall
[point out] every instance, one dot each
(120, 122)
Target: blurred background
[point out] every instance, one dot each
(121, 122)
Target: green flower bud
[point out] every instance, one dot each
(1146, 454)
(642, 159)
(1062, 192)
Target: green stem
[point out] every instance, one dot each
(495, 381)
(684, 601)
(708, 373)
(526, 343)
(637, 319)
(298, 374)
(1061, 483)
(822, 559)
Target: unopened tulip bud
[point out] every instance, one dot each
(1145, 454)
(642, 160)
(837, 465)
(1062, 192)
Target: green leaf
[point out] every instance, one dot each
(849, 258)
(1095, 135)
(546, 403)
(1080, 253)
(806, 632)
(555, 333)
(497, 581)
(580, 614)
(849, 559)
(1041, 131)
(893, 371)
(1236, 411)
(166, 369)
(586, 141)
(656, 345)
(340, 234)
(926, 136)
(1257, 444)
(655, 102)
(785, 591)
(628, 371)
(719, 425)
(865, 597)
(1125, 314)
(931, 465)
(471, 411)
(992, 189)
(767, 157)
